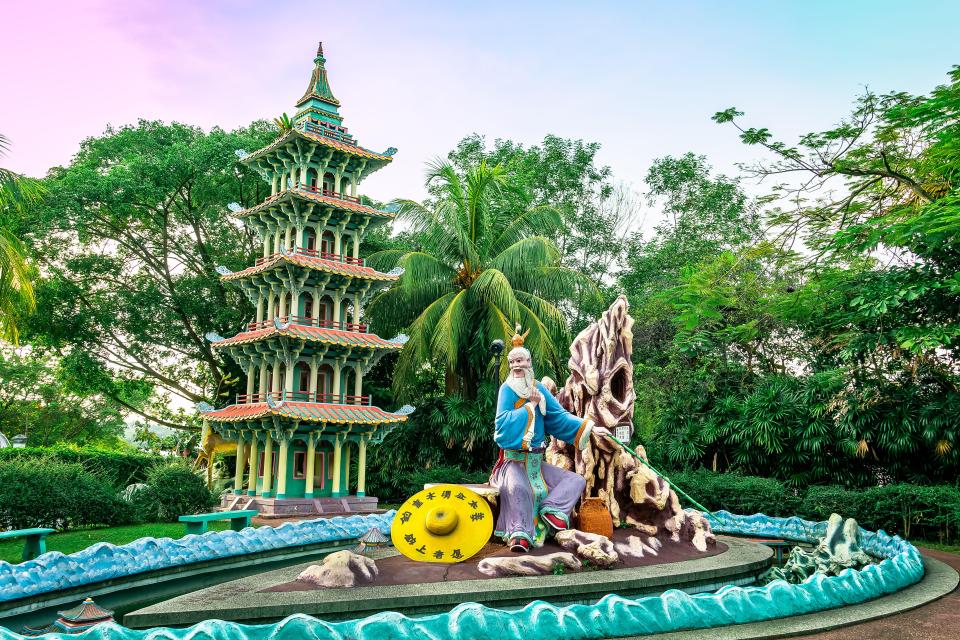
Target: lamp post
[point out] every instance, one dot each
(496, 350)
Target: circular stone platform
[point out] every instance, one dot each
(267, 597)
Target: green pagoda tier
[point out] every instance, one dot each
(305, 353)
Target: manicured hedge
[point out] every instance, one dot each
(908, 510)
(172, 490)
(116, 468)
(46, 493)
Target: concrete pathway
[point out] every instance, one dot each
(938, 620)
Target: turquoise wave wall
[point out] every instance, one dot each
(54, 571)
(901, 566)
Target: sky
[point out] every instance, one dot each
(640, 78)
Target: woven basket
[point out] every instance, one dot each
(594, 517)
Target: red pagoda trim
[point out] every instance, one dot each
(308, 411)
(311, 196)
(350, 149)
(318, 264)
(311, 334)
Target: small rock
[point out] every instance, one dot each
(637, 547)
(341, 569)
(597, 549)
(499, 566)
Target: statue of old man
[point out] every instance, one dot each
(535, 498)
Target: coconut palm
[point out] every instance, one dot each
(16, 290)
(480, 270)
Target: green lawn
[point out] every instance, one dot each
(73, 541)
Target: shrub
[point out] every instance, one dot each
(115, 467)
(736, 493)
(820, 502)
(172, 490)
(46, 493)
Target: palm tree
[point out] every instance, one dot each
(16, 289)
(480, 270)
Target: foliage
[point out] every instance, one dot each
(17, 194)
(596, 212)
(129, 240)
(116, 468)
(39, 398)
(911, 511)
(47, 493)
(480, 269)
(172, 490)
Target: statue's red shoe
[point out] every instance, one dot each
(555, 521)
(519, 545)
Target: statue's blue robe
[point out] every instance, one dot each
(514, 416)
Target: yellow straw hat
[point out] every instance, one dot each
(445, 523)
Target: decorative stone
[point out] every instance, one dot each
(597, 549)
(527, 565)
(637, 546)
(839, 549)
(341, 569)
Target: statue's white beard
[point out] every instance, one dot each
(522, 387)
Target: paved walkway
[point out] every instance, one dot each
(939, 620)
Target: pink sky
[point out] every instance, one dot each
(641, 78)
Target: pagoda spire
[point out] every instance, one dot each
(319, 87)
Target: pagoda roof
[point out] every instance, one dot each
(86, 611)
(306, 411)
(312, 196)
(312, 262)
(310, 334)
(298, 133)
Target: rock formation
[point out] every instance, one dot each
(528, 565)
(596, 549)
(839, 549)
(340, 569)
(600, 387)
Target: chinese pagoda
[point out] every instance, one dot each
(304, 412)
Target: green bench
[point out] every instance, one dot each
(35, 544)
(239, 520)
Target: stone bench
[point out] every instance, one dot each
(35, 542)
(198, 523)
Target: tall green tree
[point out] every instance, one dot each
(597, 212)
(16, 276)
(129, 239)
(478, 271)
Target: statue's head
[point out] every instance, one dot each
(519, 360)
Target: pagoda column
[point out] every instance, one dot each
(271, 305)
(254, 464)
(316, 306)
(288, 378)
(311, 455)
(267, 467)
(251, 375)
(353, 185)
(356, 309)
(336, 379)
(338, 241)
(282, 465)
(362, 467)
(337, 178)
(336, 466)
(346, 469)
(276, 240)
(356, 245)
(263, 389)
(238, 476)
(314, 369)
(358, 383)
(275, 387)
(287, 236)
(261, 303)
(337, 298)
(266, 242)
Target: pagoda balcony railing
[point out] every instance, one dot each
(304, 396)
(306, 321)
(313, 253)
(312, 188)
(339, 136)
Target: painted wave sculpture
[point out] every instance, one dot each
(54, 571)
(613, 615)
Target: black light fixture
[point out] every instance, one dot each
(496, 350)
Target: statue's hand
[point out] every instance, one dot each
(601, 432)
(535, 396)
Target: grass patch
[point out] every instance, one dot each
(72, 541)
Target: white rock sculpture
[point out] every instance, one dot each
(499, 566)
(341, 569)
